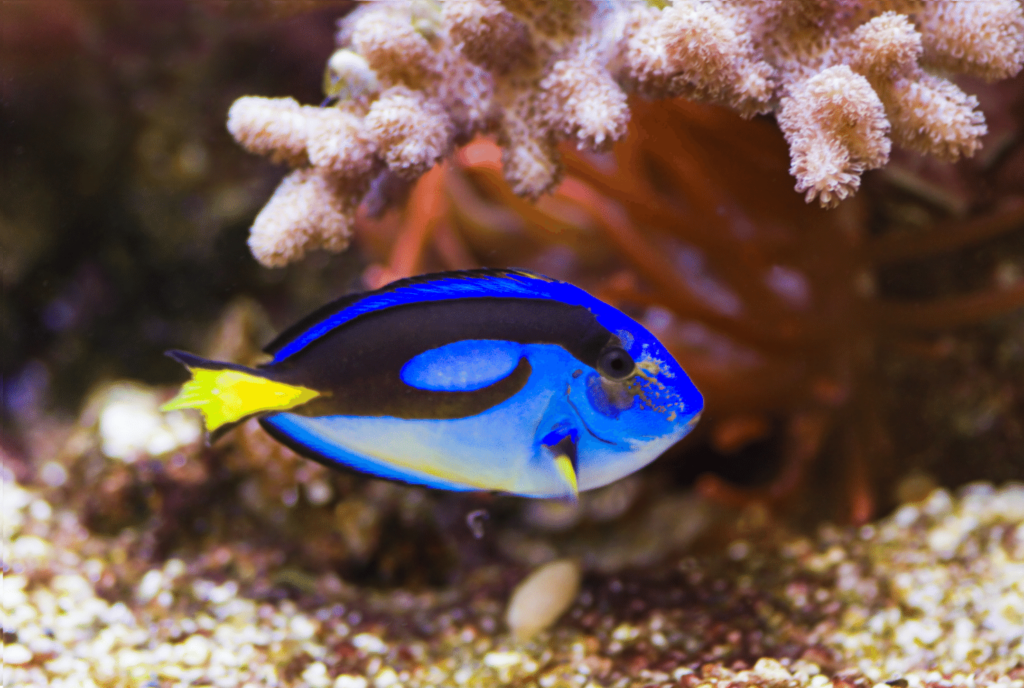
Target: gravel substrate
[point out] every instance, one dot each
(931, 596)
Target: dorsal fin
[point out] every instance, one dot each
(296, 330)
(434, 287)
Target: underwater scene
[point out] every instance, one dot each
(532, 343)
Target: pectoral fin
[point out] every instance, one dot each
(567, 470)
(561, 444)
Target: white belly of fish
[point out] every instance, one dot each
(493, 450)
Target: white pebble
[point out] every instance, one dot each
(905, 516)
(29, 547)
(150, 585)
(53, 474)
(40, 510)
(174, 568)
(315, 675)
(772, 672)
(501, 660)
(302, 628)
(195, 651)
(17, 654)
(938, 504)
(368, 642)
(222, 593)
(542, 597)
(386, 678)
(319, 492)
(738, 550)
(624, 633)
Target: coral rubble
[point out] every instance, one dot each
(930, 597)
(413, 79)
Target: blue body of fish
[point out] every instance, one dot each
(497, 380)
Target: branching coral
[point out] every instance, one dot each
(413, 79)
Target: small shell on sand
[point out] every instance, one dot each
(542, 597)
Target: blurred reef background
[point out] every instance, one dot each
(818, 206)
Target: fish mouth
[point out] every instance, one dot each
(584, 423)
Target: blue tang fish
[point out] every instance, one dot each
(499, 380)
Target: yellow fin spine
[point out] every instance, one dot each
(563, 464)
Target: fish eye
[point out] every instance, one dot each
(615, 363)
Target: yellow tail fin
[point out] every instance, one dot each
(226, 394)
